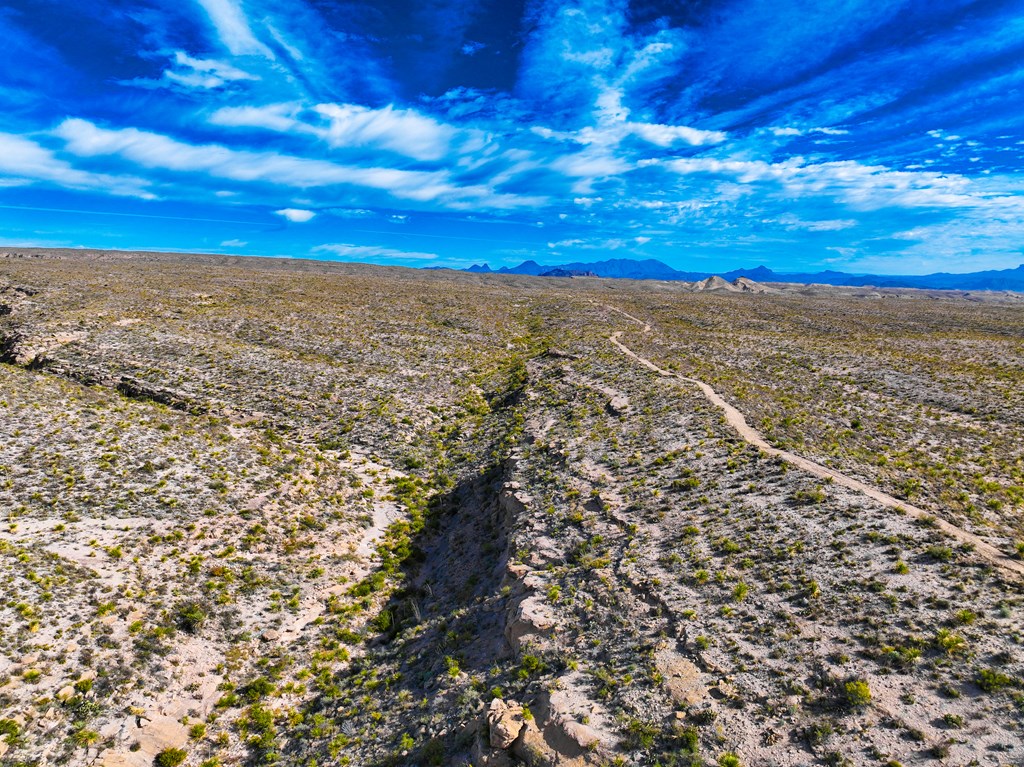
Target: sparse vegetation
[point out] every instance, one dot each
(318, 500)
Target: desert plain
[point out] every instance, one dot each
(273, 511)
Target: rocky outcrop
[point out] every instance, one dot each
(681, 677)
(549, 736)
(140, 739)
(172, 398)
(505, 721)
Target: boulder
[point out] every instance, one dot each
(505, 721)
(65, 693)
(532, 619)
(681, 677)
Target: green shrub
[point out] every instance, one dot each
(990, 680)
(189, 616)
(170, 757)
(856, 693)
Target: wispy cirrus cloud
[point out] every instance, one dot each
(25, 161)
(157, 151)
(402, 131)
(729, 130)
(232, 26)
(372, 253)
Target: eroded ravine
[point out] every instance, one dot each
(736, 421)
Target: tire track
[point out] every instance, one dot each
(735, 419)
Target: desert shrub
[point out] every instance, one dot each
(189, 616)
(258, 688)
(170, 757)
(856, 693)
(990, 680)
(940, 553)
(639, 735)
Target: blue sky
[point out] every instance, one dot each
(859, 135)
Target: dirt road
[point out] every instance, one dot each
(736, 420)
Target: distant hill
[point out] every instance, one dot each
(651, 269)
(559, 271)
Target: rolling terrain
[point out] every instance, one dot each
(270, 511)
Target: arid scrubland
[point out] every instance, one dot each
(257, 512)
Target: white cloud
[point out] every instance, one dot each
(666, 135)
(591, 164)
(234, 244)
(794, 223)
(23, 160)
(154, 150)
(351, 212)
(403, 131)
(865, 187)
(616, 128)
(612, 244)
(204, 73)
(233, 28)
(296, 215)
(361, 252)
(790, 131)
(275, 117)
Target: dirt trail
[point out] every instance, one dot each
(736, 420)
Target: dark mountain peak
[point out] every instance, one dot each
(527, 267)
(652, 269)
(559, 271)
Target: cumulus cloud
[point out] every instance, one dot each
(297, 215)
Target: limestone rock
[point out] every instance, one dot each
(153, 736)
(65, 693)
(682, 677)
(504, 722)
(532, 618)
(618, 405)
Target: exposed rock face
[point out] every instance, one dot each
(618, 405)
(747, 285)
(152, 736)
(530, 620)
(505, 721)
(682, 677)
(715, 283)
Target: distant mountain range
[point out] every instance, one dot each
(650, 269)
